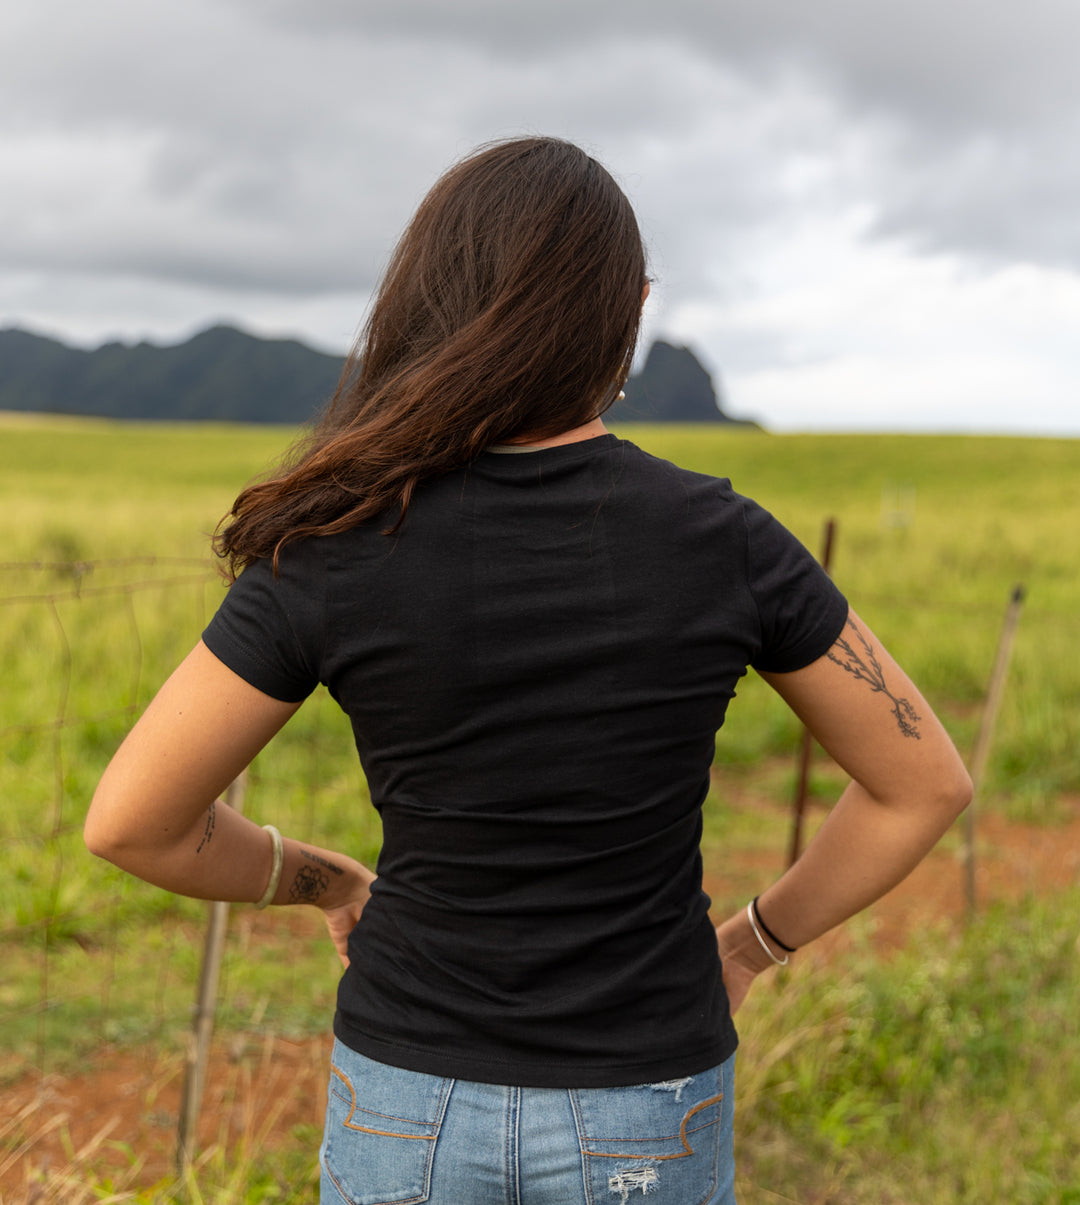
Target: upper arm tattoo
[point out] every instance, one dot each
(862, 663)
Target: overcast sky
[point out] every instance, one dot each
(860, 214)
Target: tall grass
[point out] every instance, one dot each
(976, 516)
(933, 532)
(947, 1074)
(867, 1082)
(83, 649)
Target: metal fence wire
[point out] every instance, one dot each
(76, 654)
(82, 644)
(94, 962)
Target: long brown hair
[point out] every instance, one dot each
(509, 308)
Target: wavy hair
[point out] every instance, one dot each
(509, 310)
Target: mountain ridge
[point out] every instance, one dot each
(225, 374)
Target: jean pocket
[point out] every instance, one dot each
(661, 1140)
(382, 1124)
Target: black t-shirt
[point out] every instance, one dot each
(535, 669)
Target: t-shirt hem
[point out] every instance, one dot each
(238, 656)
(522, 1072)
(815, 646)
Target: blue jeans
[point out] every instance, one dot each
(397, 1137)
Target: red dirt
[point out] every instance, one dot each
(1013, 861)
(121, 1118)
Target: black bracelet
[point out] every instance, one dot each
(768, 932)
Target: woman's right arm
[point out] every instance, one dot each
(908, 786)
(156, 810)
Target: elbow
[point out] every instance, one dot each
(97, 839)
(938, 792)
(116, 829)
(955, 789)
(102, 834)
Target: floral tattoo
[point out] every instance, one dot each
(865, 666)
(308, 886)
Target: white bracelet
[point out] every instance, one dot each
(780, 962)
(275, 870)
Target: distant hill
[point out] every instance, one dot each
(672, 387)
(219, 374)
(223, 374)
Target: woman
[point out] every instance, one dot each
(535, 629)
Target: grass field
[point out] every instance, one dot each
(910, 1063)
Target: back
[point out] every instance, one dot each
(535, 670)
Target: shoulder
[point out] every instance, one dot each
(665, 474)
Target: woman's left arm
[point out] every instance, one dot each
(157, 812)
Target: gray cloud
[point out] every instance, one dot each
(966, 62)
(976, 103)
(262, 155)
(275, 144)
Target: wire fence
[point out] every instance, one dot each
(83, 643)
(95, 964)
(61, 713)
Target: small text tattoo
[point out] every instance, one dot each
(308, 886)
(865, 666)
(208, 830)
(321, 861)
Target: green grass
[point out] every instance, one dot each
(984, 515)
(87, 634)
(105, 584)
(947, 1074)
(92, 488)
(944, 1075)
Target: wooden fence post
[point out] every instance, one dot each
(981, 752)
(205, 1004)
(806, 744)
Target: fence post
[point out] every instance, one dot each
(205, 1003)
(806, 744)
(985, 735)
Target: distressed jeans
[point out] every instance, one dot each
(397, 1137)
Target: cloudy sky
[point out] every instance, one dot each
(860, 214)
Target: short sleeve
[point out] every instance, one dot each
(800, 609)
(269, 629)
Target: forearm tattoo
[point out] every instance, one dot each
(865, 666)
(321, 861)
(311, 883)
(208, 829)
(309, 886)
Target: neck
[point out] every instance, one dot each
(589, 430)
